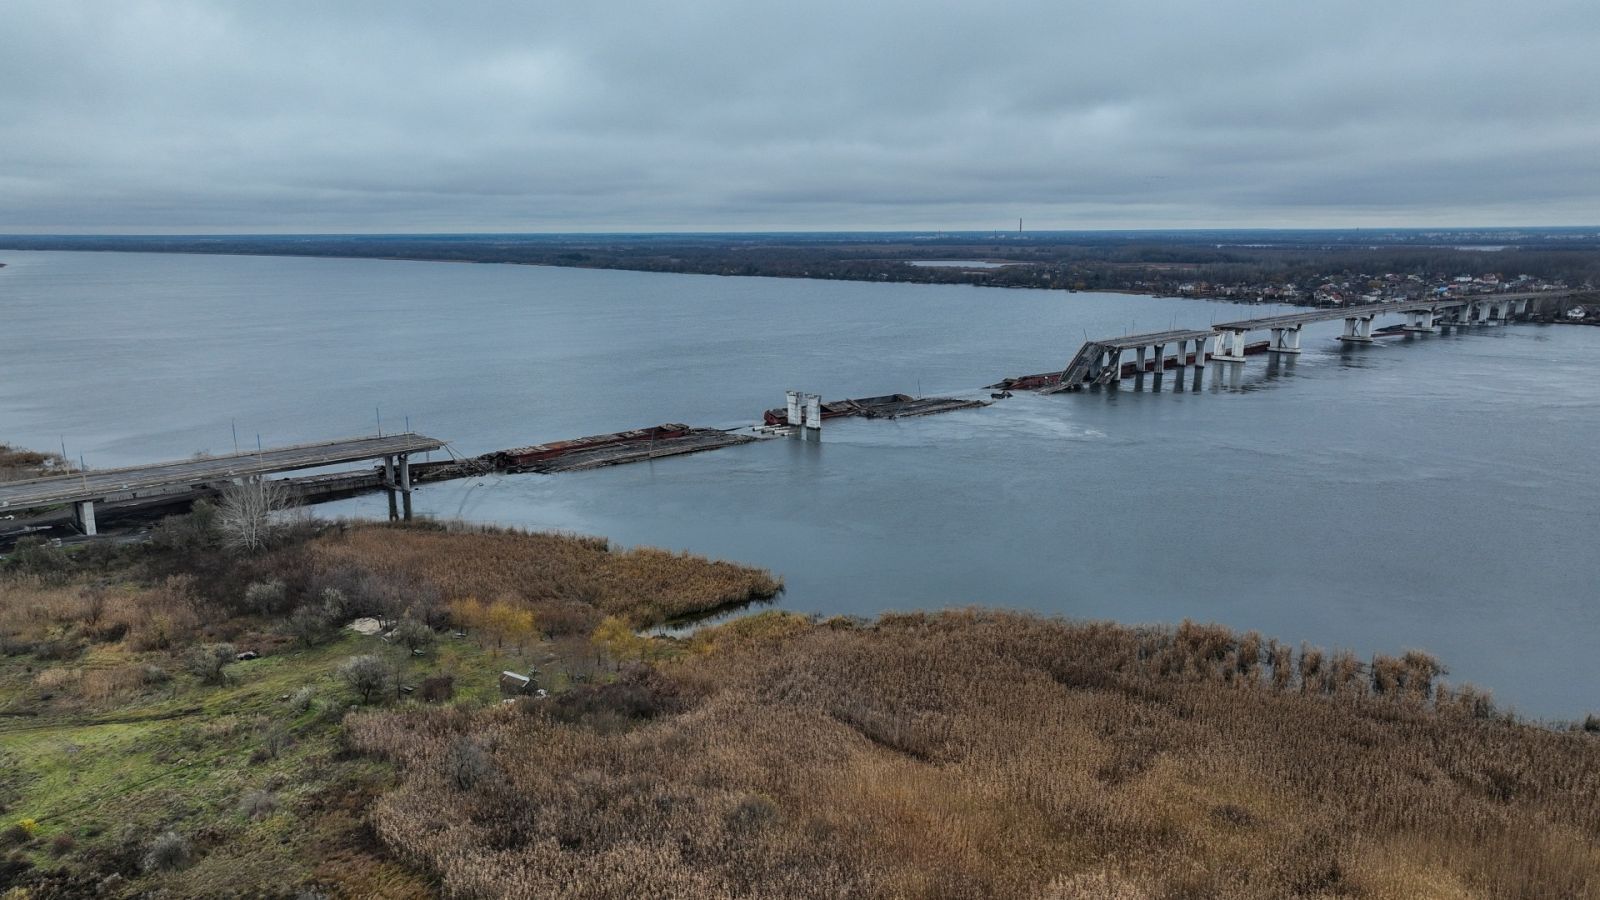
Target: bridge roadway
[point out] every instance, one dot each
(84, 488)
(1155, 338)
(1288, 320)
(1099, 360)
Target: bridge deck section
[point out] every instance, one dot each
(1131, 341)
(104, 483)
(1289, 320)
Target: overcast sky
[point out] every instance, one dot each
(132, 116)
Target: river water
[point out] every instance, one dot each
(1433, 493)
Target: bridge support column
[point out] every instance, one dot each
(1199, 354)
(1139, 355)
(1230, 346)
(792, 413)
(405, 485)
(1114, 368)
(388, 487)
(1183, 358)
(1285, 339)
(1159, 354)
(83, 517)
(1357, 329)
(1420, 320)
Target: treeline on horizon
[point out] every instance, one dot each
(1156, 262)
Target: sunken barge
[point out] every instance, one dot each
(612, 449)
(888, 406)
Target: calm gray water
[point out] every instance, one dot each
(1434, 493)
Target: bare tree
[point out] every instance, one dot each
(368, 676)
(250, 513)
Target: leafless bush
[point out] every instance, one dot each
(302, 699)
(369, 676)
(191, 534)
(466, 764)
(413, 635)
(168, 853)
(250, 514)
(437, 688)
(209, 662)
(265, 597)
(257, 805)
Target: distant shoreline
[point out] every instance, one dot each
(1306, 269)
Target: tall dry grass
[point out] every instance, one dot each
(551, 572)
(982, 754)
(17, 463)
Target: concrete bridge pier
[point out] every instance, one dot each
(388, 487)
(1230, 346)
(399, 490)
(1420, 320)
(1199, 354)
(405, 486)
(83, 517)
(1286, 339)
(1357, 329)
(791, 415)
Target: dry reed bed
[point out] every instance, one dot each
(645, 586)
(17, 464)
(995, 755)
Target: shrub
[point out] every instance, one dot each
(257, 805)
(466, 764)
(265, 597)
(36, 556)
(273, 744)
(208, 662)
(368, 676)
(168, 853)
(334, 605)
(437, 688)
(190, 534)
(309, 625)
(62, 844)
(413, 635)
(302, 699)
(1591, 723)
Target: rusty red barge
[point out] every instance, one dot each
(597, 450)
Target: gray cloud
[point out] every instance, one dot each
(140, 115)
